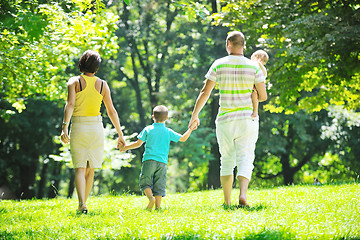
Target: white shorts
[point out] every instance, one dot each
(237, 140)
(87, 141)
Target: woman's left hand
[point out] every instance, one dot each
(64, 136)
(121, 143)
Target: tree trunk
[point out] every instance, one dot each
(55, 180)
(43, 178)
(71, 183)
(213, 178)
(213, 6)
(287, 171)
(27, 179)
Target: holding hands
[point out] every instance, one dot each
(194, 122)
(121, 143)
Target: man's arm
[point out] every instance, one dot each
(133, 145)
(201, 101)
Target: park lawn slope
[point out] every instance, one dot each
(294, 212)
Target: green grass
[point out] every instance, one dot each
(295, 212)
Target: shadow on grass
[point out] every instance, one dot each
(254, 208)
(270, 234)
(265, 234)
(7, 235)
(92, 213)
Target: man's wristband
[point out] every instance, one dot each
(64, 123)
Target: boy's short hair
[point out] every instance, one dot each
(236, 38)
(160, 113)
(89, 61)
(260, 55)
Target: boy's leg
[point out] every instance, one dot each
(149, 195)
(159, 183)
(158, 201)
(145, 181)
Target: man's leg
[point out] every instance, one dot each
(245, 155)
(227, 151)
(244, 184)
(226, 183)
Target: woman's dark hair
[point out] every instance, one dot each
(90, 61)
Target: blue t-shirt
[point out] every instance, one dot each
(157, 139)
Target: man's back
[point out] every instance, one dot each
(236, 76)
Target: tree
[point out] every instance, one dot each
(314, 49)
(288, 142)
(26, 137)
(40, 41)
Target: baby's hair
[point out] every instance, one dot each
(90, 62)
(236, 38)
(160, 113)
(260, 55)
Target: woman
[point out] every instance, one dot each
(85, 95)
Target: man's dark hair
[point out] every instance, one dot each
(90, 62)
(160, 113)
(236, 38)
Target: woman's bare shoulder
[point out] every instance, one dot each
(73, 80)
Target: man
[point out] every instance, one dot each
(236, 131)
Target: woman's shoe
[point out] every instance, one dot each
(82, 209)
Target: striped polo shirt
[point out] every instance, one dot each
(236, 76)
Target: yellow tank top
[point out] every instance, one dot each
(88, 101)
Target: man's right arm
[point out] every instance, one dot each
(201, 101)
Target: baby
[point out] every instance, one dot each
(262, 58)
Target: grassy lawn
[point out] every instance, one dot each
(294, 212)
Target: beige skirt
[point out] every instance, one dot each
(87, 141)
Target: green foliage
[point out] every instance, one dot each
(40, 41)
(25, 138)
(301, 212)
(313, 47)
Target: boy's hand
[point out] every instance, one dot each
(121, 142)
(122, 147)
(193, 126)
(193, 120)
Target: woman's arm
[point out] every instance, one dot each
(69, 108)
(113, 115)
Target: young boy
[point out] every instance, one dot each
(157, 140)
(262, 58)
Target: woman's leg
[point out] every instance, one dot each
(80, 184)
(89, 178)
